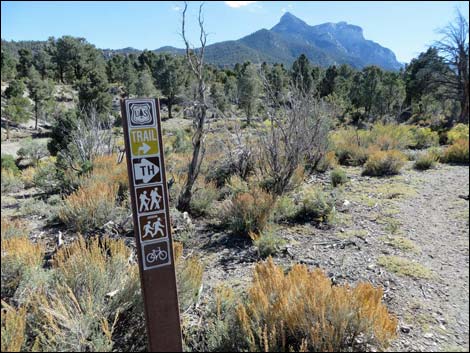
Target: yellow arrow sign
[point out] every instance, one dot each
(144, 142)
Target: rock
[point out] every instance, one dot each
(428, 335)
(370, 267)
(405, 329)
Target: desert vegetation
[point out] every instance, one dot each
(294, 196)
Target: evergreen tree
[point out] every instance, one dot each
(129, 76)
(301, 73)
(144, 85)
(25, 62)
(8, 66)
(170, 77)
(248, 87)
(327, 85)
(40, 91)
(17, 108)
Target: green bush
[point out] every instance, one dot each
(383, 163)
(33, 150)
(424, 137)
(315, 205)
(457, 153)
(458, 132)
(203, 198)
(425, 161)
(8, 163)
(284, 209)
(267, 243)
(338, 177)
(390, 136)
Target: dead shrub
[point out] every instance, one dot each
(303, 311)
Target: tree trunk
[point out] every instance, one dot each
(170, 105)
(184, 198)
(8, 129)
(36, 115)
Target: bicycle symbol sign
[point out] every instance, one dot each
(156, 254)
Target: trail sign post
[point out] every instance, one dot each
(149, 196)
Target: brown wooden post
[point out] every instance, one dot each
(152, 227)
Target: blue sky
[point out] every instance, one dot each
(407, 28)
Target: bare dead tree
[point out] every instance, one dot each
(454, 48)
(91, 137)
(298, 131)
(195, 60)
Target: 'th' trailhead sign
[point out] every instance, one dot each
(149, 195)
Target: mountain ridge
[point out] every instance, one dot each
(324, 45)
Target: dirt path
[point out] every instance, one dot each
(415, 216)
(437, 219)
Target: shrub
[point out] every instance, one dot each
(390, 136)
(338, 177)
(189, 272)
(8, 163)
(351, 155)
(457, 153)
(425, 161)
(328, 161)
(458, 132)
(284, 209)
(45, 176)
(13, 228)
(91, 206)
(106, 169)
(33, 150)
(27, 177)
(10, 182)
(315, 205)
(13, 328)
(424, 137)
(248, 212)
(203, 197)
(19, 255)
(267, 243)
(404, 267)
(94, 283)
(384, 163)
(303, 311)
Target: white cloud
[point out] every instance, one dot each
(237, 4)
(176, 8)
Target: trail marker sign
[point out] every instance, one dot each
(152, 229)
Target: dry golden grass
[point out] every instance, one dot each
(107, 170)
(302, 311)
(13, 328)
(90, 206)
(19, 255)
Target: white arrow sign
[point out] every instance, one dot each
(145, 170)
(144, 148)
